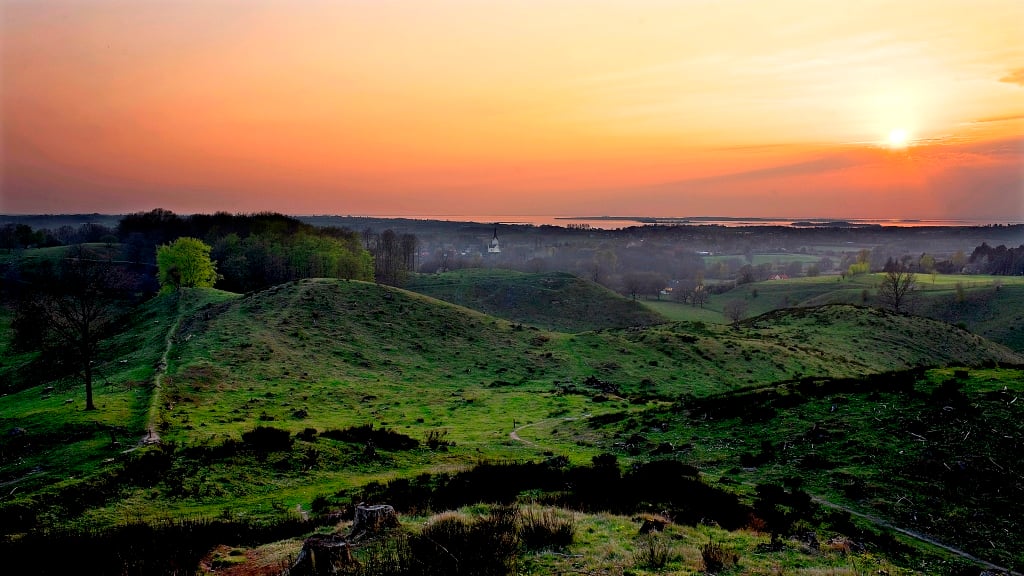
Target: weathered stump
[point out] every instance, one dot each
(373, 519)
(653, 523)
(323, 555)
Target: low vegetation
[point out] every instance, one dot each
(552, 300)
(553, 438)
(991, 306)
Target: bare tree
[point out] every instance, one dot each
(80, 309)
(699, 296)
(897, 287)
(735, 310)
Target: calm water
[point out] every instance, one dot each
(612, 223)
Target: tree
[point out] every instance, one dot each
(185, 263)
(926, 263)
(647, 283)
(698, 296)
(79, 308)
(896, 287)
(735, 310)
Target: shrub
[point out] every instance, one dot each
(267, 439)
(546, 529)
(653, 551)
(714, 556)
(437, 439)
(453, 544)
(380, 438)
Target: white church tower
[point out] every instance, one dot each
(494, 248)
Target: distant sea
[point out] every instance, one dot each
(613, 222)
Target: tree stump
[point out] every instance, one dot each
(323, 555)
(373, 519)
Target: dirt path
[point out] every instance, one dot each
(916, 535)
(151, 436)
(873, 519)
(514, 434)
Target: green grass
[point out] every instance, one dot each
(553, 300)
(329, 354)
(612, 544)
(922, 459)
(67, 442)
(55, 254)
(979, 306)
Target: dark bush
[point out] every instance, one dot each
(380, 438)
(267, 439)
(454, 545)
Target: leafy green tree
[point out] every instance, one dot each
(185, 263)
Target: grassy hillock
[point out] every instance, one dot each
(551, 300)
(992, 306)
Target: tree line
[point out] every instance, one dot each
(66, 305)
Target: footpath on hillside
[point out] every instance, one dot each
(152, 416)
(514, 434)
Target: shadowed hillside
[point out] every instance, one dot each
(553, 300)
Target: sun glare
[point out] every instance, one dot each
(898, 138)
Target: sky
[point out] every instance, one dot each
(865, 109)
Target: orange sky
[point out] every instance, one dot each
(556, 107)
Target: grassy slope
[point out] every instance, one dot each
(329, 354)
(552, 300)
(923, 459)
(994, 314)
(66, 441)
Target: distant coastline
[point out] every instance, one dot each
(603, 222)
(608, 222)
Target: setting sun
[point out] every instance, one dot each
(898, 138)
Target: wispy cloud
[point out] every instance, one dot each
(828, 163)
(1014, 77)
(1003, 118)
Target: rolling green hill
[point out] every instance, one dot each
(992, 306)
(315, 358)
(552, 300)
